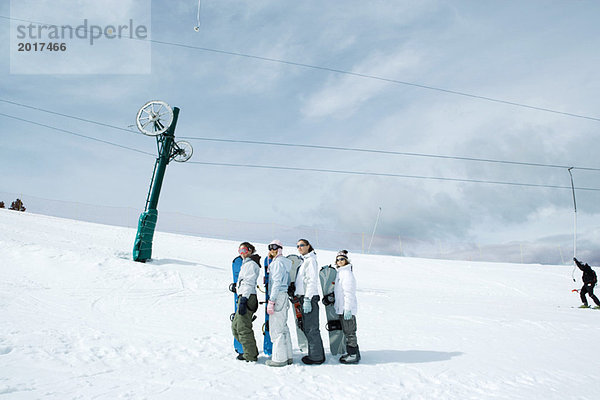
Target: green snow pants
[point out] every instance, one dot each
(241, 326)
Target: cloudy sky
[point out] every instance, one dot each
(542, 54)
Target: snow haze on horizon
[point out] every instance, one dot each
(534, 53)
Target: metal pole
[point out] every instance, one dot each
(142, 248)
(374, 228)
(574, 224)
(163, 160)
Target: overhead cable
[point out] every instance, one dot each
(76, 134)
(364, 173)
(313, 146)
(341, 71)
(388, 175)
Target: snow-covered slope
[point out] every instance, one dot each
(80, 319)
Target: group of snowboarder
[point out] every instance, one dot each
(294, 278)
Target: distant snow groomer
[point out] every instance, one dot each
(589, 279)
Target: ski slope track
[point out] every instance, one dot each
(80, 320)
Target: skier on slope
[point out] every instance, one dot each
(277, 307)
(241, 326)
(307, 287)
(346, 305)
(589, 281)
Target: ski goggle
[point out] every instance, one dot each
(274, 247)
(243, 250)
(301, 245)
(341, 259)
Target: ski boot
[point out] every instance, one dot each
(308, 361)
(584, 306)
(241, 358)
(272, 363)
(353, 356)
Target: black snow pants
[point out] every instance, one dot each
(589, 289)
(312, 332)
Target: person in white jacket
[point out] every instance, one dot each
(241, 326)
(346, 305)
(307, 287)
(277, 307)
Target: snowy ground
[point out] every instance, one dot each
(80, 320)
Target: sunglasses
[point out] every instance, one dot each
(274, 247)
(301, 245)
(243, 250)
(341, 259)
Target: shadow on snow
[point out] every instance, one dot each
(167, 261)
(406, 356)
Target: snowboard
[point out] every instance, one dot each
(267, 344)
(582, 308)
(337, 340)
(236, 265)
(296, 306)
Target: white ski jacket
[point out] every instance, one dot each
(307, 279)
(345, 290)
(246, 284)
(279, 276)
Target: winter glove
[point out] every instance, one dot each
(292, 289)
(307, 306)
(328, 299)
(271, 307)
(242, 308)
(347, 314)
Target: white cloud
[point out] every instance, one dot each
(343, 95)
(541, 60)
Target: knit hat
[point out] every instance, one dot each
(343, 253)
(278, 243)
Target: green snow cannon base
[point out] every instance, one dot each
(142, 248)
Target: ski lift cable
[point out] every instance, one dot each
(364, 173)
(374, 77)
(390, 152)
(68, 116)
(77, 134)
(341, 71)
(312, 146)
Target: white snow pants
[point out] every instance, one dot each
(280, 333)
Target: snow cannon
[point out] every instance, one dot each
(158, 119)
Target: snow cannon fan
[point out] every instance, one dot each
(158, 119)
